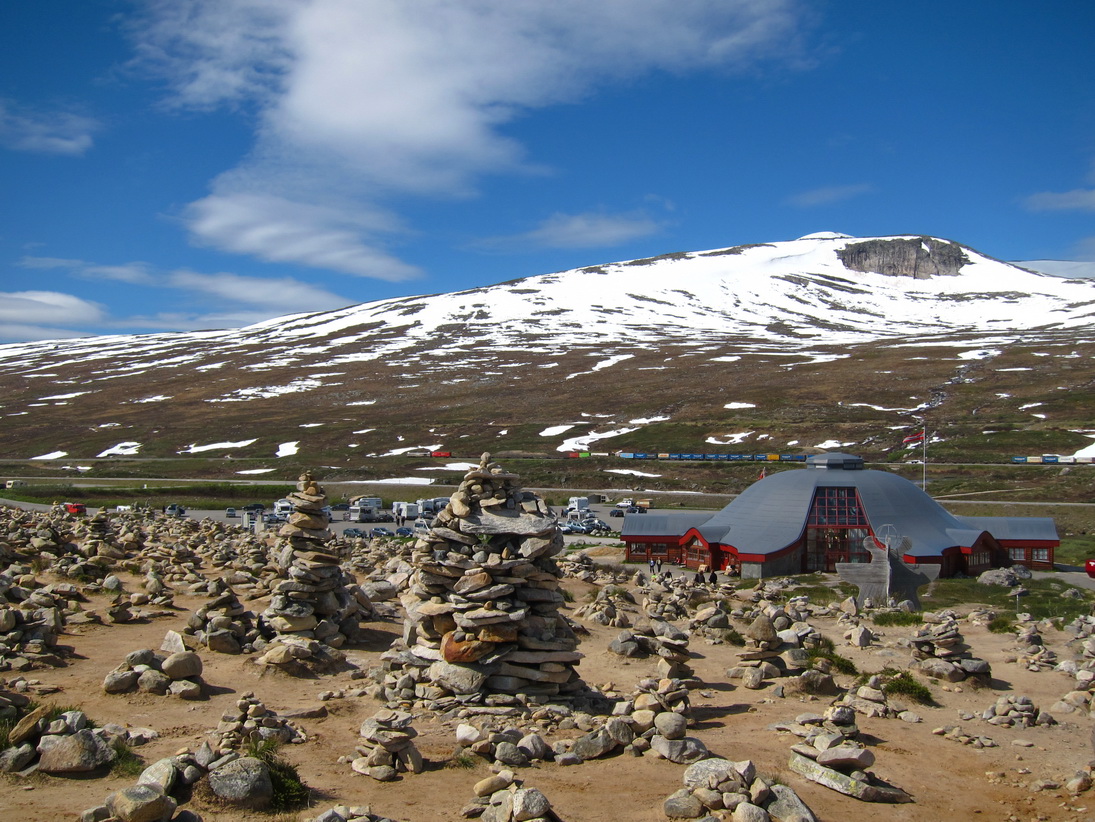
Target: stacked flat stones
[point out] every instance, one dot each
(31, 618)
(223, 624)
(609, 607)
(100, 538)
(503, 798)
(661, 639)
(940, 652)
(314, 607)
(1033, 653)
(719, 788)
(482, 607)
(1016, 711)
(251, 721)
(387, 746)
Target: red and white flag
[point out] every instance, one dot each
(915, 437)
(763, 472)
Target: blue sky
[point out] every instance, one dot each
(184, 164)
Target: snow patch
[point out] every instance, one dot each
(629, 472)
(216, 446)
(52, 455)
(733, 406)
(257, 471)
(287, 449)
(122, 449)
(555, 430)
(734, 439)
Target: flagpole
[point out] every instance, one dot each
(924, 461)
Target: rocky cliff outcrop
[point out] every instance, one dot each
(918, 257)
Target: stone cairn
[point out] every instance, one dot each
(1032, 652)
(387, 746)
(223, 625)
(178, 674)
(482, 607)
(314, 608)
(717, 788)
(1012, 711)
(502, 797)
(661, 639)
(940, 652)
(609, 607)
(252, 721)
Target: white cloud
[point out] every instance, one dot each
(359, 102)
(44, 307)
(279, 230)
(591, 230)
(829, 194)
(52, 132)
(284, 294)
(1080, 199)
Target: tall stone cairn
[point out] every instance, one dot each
(315, 607)
(482, 606)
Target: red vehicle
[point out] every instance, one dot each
(75, 508)
(1089, 566)
(440, 453)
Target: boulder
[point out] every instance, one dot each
(76, 753)
(182, 665)
(244, 782)
(140, 803)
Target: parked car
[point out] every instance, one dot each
(175, 510)
(75, 508)
(616, 512)
(634, 509)
(254, 507)
(270, 519)
(1089, 566)
(566, 528)
(230, 512)
(354, 533)
(341, 506)
(381, 532)
(404, 531)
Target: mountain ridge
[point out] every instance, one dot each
(625, 340)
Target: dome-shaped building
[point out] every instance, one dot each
(808, 520)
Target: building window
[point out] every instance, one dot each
(659, 549)
(1040, 555)
(1017, 554)
(837, 507)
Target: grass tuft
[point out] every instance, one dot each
(126, 762)
(290, 792)
(890, 618)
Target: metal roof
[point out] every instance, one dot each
(771, 514)
(1042, 529)
(662, 524)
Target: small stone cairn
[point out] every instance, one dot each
(939, 651)
(716, 787)
(502, 797)
(661, 639)
(252, 721)
(1016, 711)
(482, 607)
(178, 674)
(31, 618)
(314, 608)
(222, 625)
(387, 746)
(1032, 652)
(609, 607)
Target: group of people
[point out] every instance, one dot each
(699, 579)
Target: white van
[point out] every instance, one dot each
(14, 484)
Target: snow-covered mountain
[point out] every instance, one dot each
(811, 300)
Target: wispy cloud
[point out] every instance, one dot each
(45, 132)
(828, 195)
(590, 230)
(1080, 199)
(279, 230)
(358, 104)
(41, 315)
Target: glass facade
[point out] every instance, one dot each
(835, 529)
